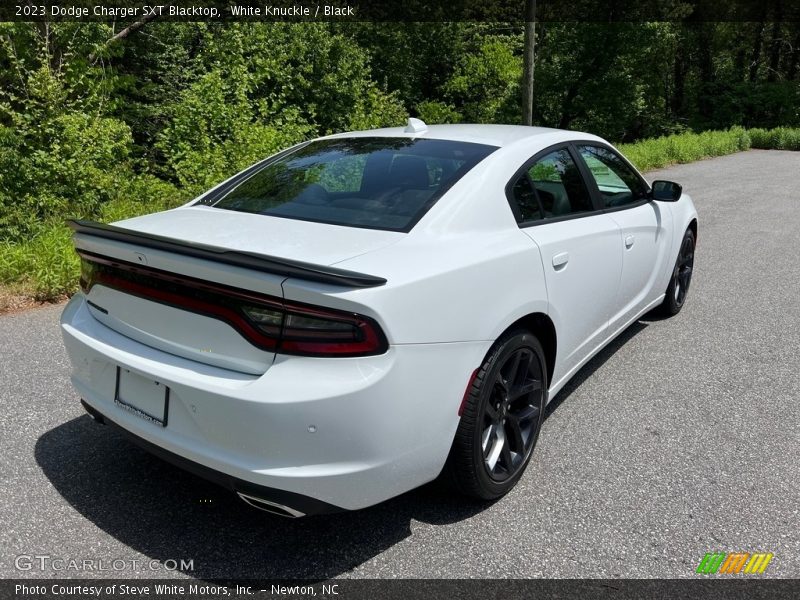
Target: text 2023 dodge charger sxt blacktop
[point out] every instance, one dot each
(352, 317)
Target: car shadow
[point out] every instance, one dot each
(166, 513)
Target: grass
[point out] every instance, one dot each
(685, 147)
(45, 267)
(780, 138)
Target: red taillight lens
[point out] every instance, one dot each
(266, 322)
(314, 331)
(321, 332)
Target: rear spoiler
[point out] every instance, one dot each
(237, 258)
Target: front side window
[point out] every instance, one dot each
(379, 183)
(619, 185)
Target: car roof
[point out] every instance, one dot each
(493, 135)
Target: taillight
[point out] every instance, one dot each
(314, 331)
(266, 322)
(323, 332)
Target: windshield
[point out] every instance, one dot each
(379, 183)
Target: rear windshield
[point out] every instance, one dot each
(380, 183)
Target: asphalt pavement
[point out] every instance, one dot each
(680, 438)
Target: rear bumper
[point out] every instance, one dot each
(320, 433)
(304, 505)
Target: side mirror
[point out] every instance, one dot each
(666, 191)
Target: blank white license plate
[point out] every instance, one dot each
(143, 397)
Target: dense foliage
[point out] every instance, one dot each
(100, 126)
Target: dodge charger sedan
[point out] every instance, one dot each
(362, 313)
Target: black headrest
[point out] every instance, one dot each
(409, 172)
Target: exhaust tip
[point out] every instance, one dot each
(96, 416)
(271, 507)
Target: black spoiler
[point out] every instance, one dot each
(238, 258)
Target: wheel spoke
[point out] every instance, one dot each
(497, 448)
(524, 368)
(527, 413)
(525, 389)
(513, 370)
(508, 460)
(487, 438)
(514, 432)
(502, 383)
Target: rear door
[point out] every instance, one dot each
(643, 226)
(579, 246)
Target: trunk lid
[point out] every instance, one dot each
(134, 303)
(304, 241)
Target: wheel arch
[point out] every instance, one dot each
(540, 325)
(693, 227)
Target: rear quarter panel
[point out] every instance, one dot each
(453, 289)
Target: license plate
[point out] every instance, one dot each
(143, 397)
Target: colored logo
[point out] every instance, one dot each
(734, 562)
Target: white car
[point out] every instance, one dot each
(352, 317)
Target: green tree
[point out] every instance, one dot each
(485, 86)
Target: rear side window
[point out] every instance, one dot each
(619, 185)
(379, 183)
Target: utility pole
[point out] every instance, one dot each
(527, 62)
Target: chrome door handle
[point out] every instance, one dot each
(629, 241)
(560, 261)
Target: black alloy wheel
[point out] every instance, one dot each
(681, 278)
(501, 418)
(511, 416)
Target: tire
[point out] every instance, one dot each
(501, 419)
(681, 278)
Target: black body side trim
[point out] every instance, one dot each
(304, 504)
(238, 258)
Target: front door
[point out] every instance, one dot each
(643, 229)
